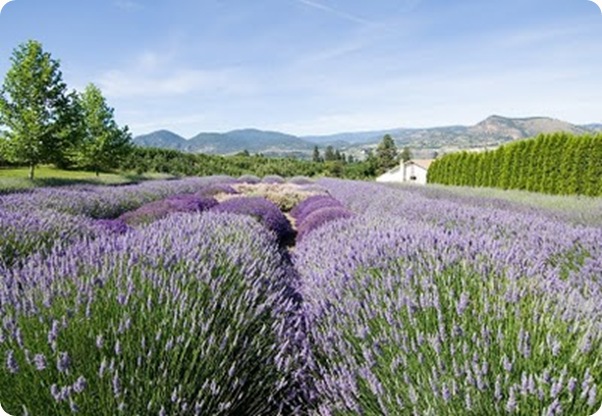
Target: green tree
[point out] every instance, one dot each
(34, 106)
(104, 143)
(3, 149)
(316, 155)
(329, 154)
(337, 155)
(386, 154)
(406, 154)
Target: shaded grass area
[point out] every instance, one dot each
(15, 179)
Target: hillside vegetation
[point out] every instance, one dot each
(558, 163)
(187, 164)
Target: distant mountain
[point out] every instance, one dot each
(494, 130)
(255, 141)
(164, 139)
(491, 132)
(252, 140)
(596, 127)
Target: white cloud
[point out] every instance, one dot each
(123, 84)
(159, 75)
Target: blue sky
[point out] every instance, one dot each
(321, 66)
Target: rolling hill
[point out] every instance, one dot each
(491, 132)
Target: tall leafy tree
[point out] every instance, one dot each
(406, 154)
(386, 154)
(34, 106)
(329, 154)
(3, 149)
(103, 143)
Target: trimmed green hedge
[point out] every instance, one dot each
(558, 163)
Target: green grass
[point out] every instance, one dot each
(16, 179)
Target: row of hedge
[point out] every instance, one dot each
(558, 163)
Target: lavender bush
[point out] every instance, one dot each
(102, 202)
(216, 189)
(37, 231)
(300, 180)
(313, 203)
(266, 212)
(273, 179)
(156, 210)
(319, 218)
(250, 179)
(194, 315)
(434, 307)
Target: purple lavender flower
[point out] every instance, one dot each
(116, 226)
(100, 342)
(592, 396)
(511, 404)
(39, 361)
(116, 383)
(55, 392)
(63, 363)
(80, 385)
(462, 303)
(11, 362)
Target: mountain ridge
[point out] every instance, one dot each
(490, 132)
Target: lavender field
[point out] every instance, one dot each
(224, 296)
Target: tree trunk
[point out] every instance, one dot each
(97, 173)
(31, 171)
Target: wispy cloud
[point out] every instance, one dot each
(158, 75)
(126, 84)
(128, 5)
(335, 12)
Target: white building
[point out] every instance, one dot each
(412, 171)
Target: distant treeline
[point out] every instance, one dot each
(558, 163)
(143, 160)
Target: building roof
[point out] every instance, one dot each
(423, 163)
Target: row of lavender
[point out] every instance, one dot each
(420, 305)
(193, 314)
(32, 222)
(127, 300)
